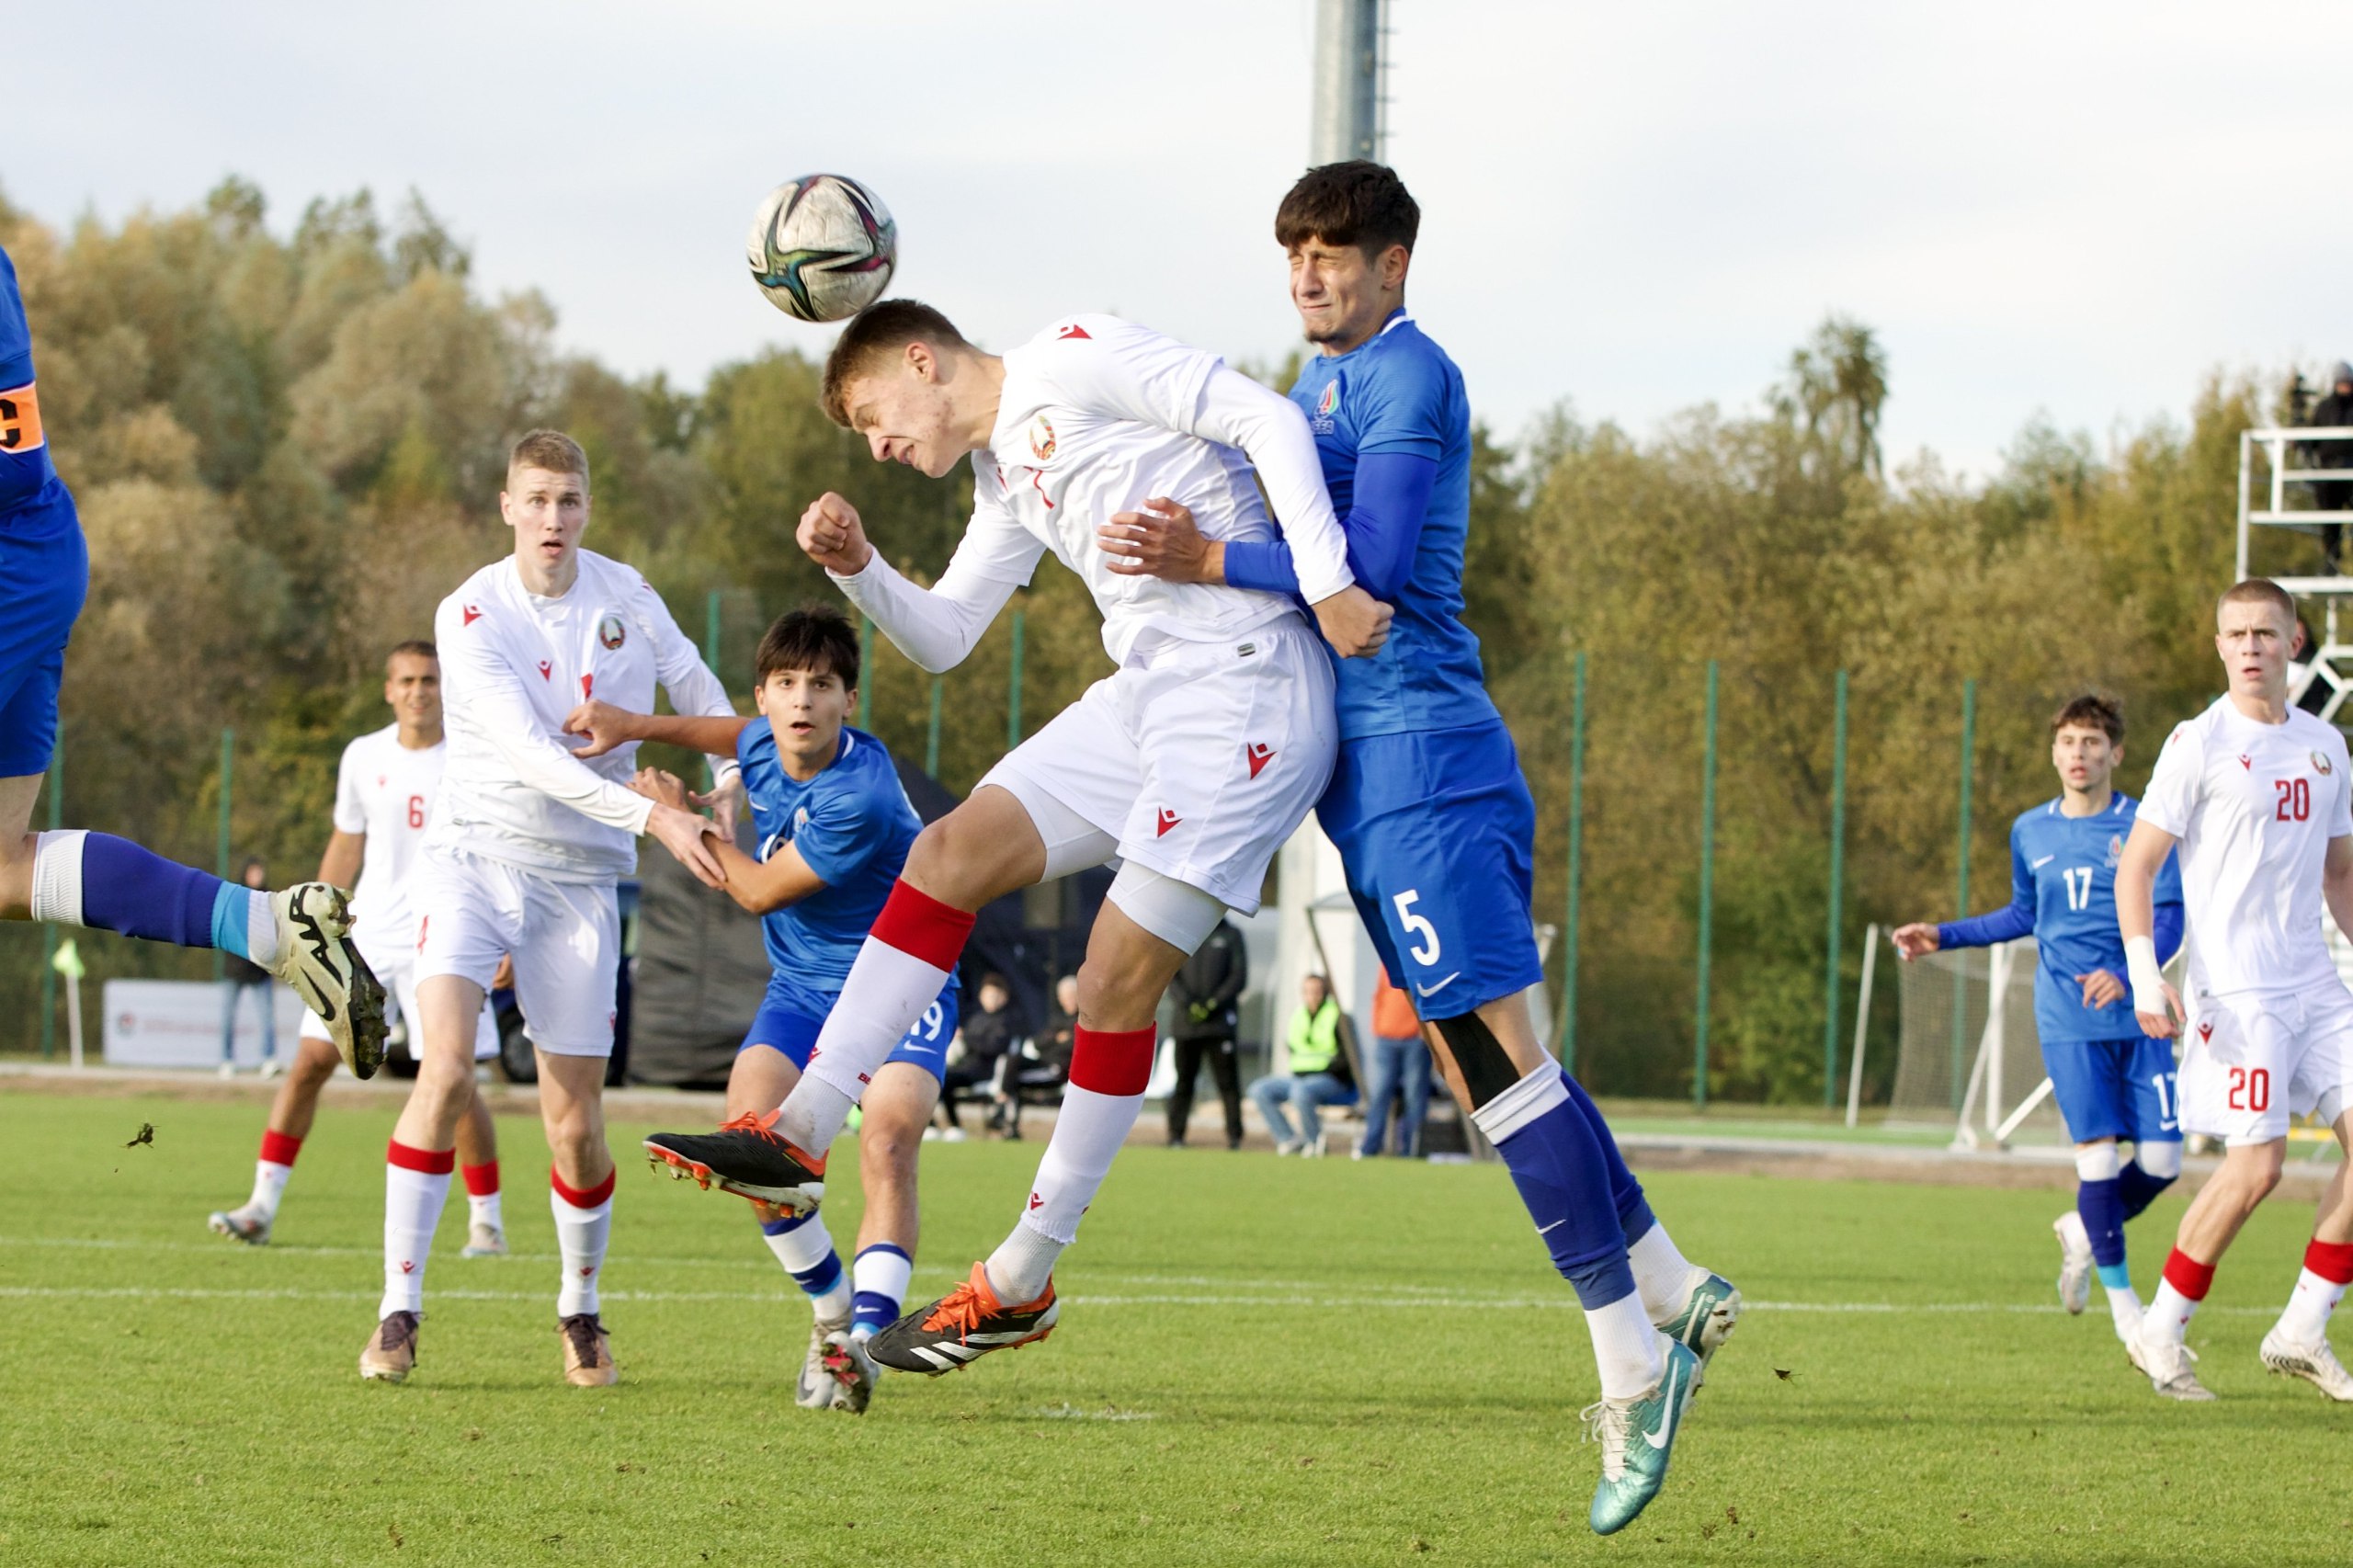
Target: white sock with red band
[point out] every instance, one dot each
(417, 1184)
(482, 1204)
(584, 1228)
(272, 1171)
(1109, 1070)
(2320, 1285)
(900, 971)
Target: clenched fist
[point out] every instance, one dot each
(832, 536)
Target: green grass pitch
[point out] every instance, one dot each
(1259, 1361)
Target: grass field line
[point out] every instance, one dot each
(1304, 1300)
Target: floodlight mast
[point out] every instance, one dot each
(2263, 503)
(1349, 122)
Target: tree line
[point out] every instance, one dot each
(286, 449)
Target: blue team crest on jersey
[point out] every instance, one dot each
(1321, 420)
(800, 819)
(2114, 850)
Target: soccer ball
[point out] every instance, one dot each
(821, 247)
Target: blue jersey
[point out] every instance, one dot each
(853, 824)
(1398, 392)
(27, 482)
(2063, 889)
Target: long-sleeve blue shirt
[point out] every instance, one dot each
(2063, 892)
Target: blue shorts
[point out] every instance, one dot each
(1436, 831)
(44, 575)
(2115, 1088)
(791, 1015)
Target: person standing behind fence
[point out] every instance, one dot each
(1400, 1069)
(2334, 411)
(2111, 1080)
(1205, 992)
(240, 975)
(1319, 1071)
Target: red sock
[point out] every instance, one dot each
(583, 1198)
(481, 1180)
(2187, 1276)
(430, 1162)
(1112, 1061)
(920, 925)
(277, 1149)
(2332, 1261)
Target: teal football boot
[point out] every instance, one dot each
(1637, 1437)
(1707, 1317)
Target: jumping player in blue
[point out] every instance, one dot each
(1432, 821)
(2111, 1081)
(834, 827)
(76, 877)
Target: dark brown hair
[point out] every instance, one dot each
(817, 638)
(2092, 712)
(416, 645)
(1357, 203)
(877, 332)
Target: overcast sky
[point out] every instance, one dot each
(2078, 207)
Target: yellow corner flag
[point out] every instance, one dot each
(68, 962)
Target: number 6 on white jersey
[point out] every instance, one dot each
(1416, 926)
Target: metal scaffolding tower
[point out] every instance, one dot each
(2270, 478)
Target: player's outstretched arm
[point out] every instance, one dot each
(2007, 923)
(935, 627)
(2154, 1002)
(605, 727)
(759, 886)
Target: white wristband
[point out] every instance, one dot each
(2148, 979)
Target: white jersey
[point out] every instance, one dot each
(1098, 415)
(384, 791)
(2254, 806)
(513, 666)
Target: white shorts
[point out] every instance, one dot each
(2252, 1061)
(397, 969)
(565, 939)
(1197, 760)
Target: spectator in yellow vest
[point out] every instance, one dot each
(1319, 1073)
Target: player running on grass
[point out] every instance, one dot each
(1432, 821)
(520, 857)
(383, 795)
(1192, 763)
(78, 877)
(2111, 1081)
(834, 826)
(2259, 797)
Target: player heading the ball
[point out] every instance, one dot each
(2258, 795)
(524, 847)
(1192, 763)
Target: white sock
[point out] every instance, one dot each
(1087, 1136)
(261, 931)
(486, 1209)
(1662, 1274)
(1626, 1348)
(2168, 1315)
(413, 1201)
(807, 1252)
(2306, 1322)
(2124, 1306)
(269, 1186)
(880, 1274)
(582, 1236)
(1023, 1264)
(886, 993)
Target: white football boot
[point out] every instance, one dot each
(813, 1389)
(2317, 1364)
(316, 958)
(484, 1240)
(2168, 1364)
(251, 1226)
(2074, 1262)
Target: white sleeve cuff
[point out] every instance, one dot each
(2148, 979)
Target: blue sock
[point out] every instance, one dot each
(139, 894)
(1634, 1216)
(1563, 1177)
(2136, 1189)
(2102, 1205)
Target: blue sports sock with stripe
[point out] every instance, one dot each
(879, 1277)
(803, 1244)
(2102, 1207)
(106, 883)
